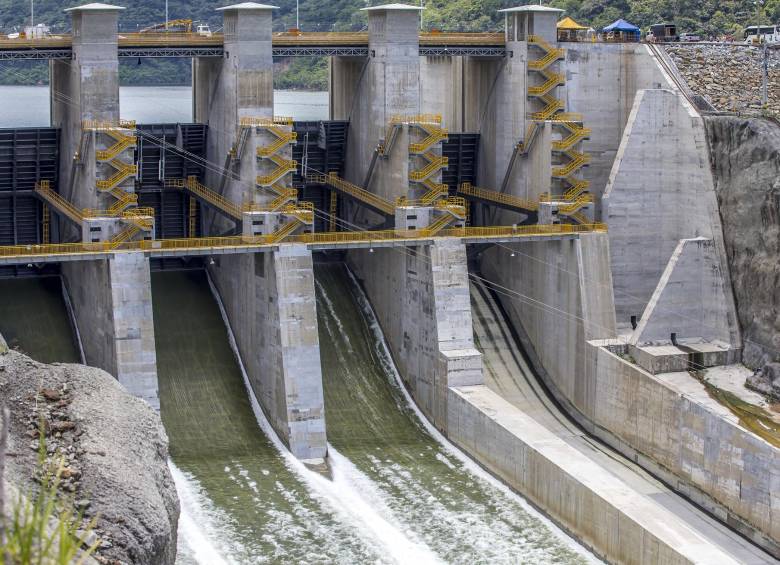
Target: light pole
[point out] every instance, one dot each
(297, 16)
(32, 14)
(166, 15)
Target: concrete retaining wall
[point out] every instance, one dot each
(619, 524)
(566, 302)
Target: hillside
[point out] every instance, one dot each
(707, 17)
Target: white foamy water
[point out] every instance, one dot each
(350, 494)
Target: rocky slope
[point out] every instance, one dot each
(729, 76)
(745, 157)
(115, 451)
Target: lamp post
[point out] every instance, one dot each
(166, 15)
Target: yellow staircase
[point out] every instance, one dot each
(122, 140)
(125, 235)
(431, 125)
(371, 200)
(44, 190)
(437, 225)
(498, 198)
(434, 165)
(207, 195)
(574, 133)
(284, 231)
(123, 172)
(283, 167)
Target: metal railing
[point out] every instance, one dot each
(578, 160)
(435, 164)
(125, 142)
(248, 122)
(553, 80)
(238, 243)
(206, 194)
(102, 125)
(506, 200)
(435, 135)
(43, 189)
(284, 231)
(284, 167)
(282, 138)
(439, 224)
(123, 172)
(576, 135)
(361, 194)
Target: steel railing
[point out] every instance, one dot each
(346, 238)
(506, 200)
(361, 194)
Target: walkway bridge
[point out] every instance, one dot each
(203, 246)
(285, 44)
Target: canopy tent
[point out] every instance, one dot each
(623, 26)
(569, 24)
(621, 30)
(569, 30)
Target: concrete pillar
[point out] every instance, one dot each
(239, 85)
(389, 87)
(85, 88)
(421, 298)
(270, 302)
(112, 305)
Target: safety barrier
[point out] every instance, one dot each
(43, 189)
(123, 172)
(378, 203)
(435, 164)
(206, 194)
(506, 200)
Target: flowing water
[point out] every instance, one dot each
(34, 319)
(429, 488)
(397, 495)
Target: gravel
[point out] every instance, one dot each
(114, 448)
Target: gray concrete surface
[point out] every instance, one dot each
(112, 304)
(269, 300)
(509, 374)
(660, 190)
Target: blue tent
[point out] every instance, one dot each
(622, 25)
(623, 28)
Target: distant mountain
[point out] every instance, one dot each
(705, 17)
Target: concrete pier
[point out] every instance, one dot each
(85, 88)
(268, 297)
(112, 305)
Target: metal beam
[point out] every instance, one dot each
(34, 54)
(218, 51)
(208, 51)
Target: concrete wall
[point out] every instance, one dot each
(620, 525)
(112, 304)
(429, 332)
(566, 301)
(689, 300)
(660, 190)
(84, 88)
(269, 300)
(602, 80)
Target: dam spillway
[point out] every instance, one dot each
(570, 177)
(249, 499)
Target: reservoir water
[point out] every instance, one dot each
(28, 106)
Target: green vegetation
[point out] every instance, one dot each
(43, 527)
(710, 18)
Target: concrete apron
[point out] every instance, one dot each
(431, 338)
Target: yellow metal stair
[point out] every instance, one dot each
(125, 235)
(439, 224)
(123, 172)
(552, 80)
(283, 167)
(435, 164)
(123, 141)
(372, 200)
(43, 189)
(204, 193)
(284, 231)
(506, 200)
(576, 162)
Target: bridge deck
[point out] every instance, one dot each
(284, 44)
(56, 253)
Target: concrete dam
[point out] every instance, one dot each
(493, 310)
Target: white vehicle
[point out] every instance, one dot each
(762, 34)
(204, 30)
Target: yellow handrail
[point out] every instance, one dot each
(22, 252)
(572, 139)
(265, 122)
(355, 191)
(284, 231)
(213, 198)
(578, 160)
(43, 188)
(435, 135)
(116, 148)
(553, 81)
(437, 225)
(435, 163)
(549, 58)
(123, 171)
(103, 125)
(498, 197)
